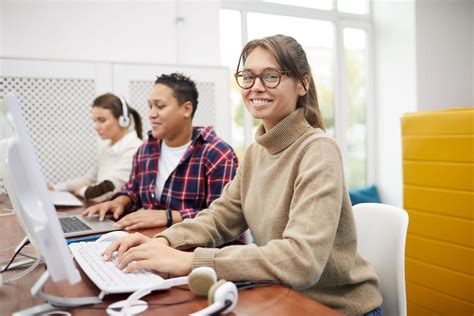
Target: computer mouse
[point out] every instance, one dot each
(135, 307)
(112, 236)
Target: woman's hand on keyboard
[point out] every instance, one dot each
(121, 245)
(149, 253)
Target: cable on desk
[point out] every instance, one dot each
(149, 304)
(245, 285)
(7, 212)
(18, 249)
(8, 264)
(23, 273)
(242, 285)
(7, 249)
(28, 256)
(3, 261)
(58, 312)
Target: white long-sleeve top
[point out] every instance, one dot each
(114, 163)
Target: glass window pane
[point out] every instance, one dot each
(315, 4)
(230, 37)
(230, 46)
(355, 53)
(317, 39)
(353, 6)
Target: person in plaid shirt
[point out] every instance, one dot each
(179, 170)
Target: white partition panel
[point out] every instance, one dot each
(55, 100)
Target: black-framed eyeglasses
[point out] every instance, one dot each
(269, 77)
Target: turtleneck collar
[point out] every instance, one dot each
(284, 133)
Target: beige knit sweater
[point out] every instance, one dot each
(290, 192)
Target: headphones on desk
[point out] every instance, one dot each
(222, 295)
(124, 119)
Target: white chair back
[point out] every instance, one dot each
(381, 235)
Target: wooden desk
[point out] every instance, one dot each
(270, 300)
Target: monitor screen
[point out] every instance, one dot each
(28, 193)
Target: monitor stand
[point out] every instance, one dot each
(54, 303)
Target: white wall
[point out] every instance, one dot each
(424, 61)
(138, 31)
(444, 48)
(1, 28)
(395, 85)
(200, 32)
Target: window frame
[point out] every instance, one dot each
(340, 20)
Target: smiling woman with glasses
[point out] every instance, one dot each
(289, 191)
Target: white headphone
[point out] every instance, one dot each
(202, 281)
(222, 297)
(124, 119)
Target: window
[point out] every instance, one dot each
(319, 4)
(230, 46)
(355, 54)
(337, 49)
(353, 6)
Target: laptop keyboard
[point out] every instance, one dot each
(73, 224)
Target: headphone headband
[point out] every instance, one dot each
(124, 119)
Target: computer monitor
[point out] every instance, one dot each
(34, 209)
(28, 193)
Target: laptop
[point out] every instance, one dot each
(64, 198)
(76, 225)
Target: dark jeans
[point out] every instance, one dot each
(375, 312)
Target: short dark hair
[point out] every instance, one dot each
(184, 89)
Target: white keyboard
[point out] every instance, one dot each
(105, 274)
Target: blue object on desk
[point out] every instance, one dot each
(91, 238)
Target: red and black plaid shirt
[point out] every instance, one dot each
(206, 167)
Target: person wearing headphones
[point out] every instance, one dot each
(179, 170)
(289, 191)
(113, 122)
